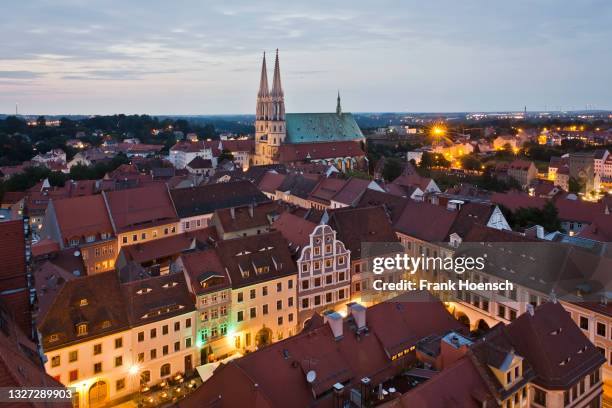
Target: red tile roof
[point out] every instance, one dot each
(271, 181)
(246, 217)
(275, 376)
(425, 221)
(322, 150)
(205, 266)
(294, 228)
(13, 280)
(241, 257)
(355, 226)
(80, 217)
(140, 207)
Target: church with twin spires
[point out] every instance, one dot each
(328, 138)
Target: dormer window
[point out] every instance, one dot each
(83, 302)
(170, 285)
(81, 329)
(74, 242)
(144, 290)
(90, 238)
(53, 338)
(106, 324)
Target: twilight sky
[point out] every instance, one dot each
(204, 56)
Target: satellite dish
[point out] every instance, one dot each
(311, 376)
(77, 253)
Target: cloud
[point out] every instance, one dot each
(19, 75)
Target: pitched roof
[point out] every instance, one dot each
(157, 298)
(275, 376)
(256, 258)
(295, 229)
(140, 207)
(247, 217)
(20, 364)
(95, 300)
(352, 190)
(200, 163)
(355, 226)
(80, 217)
(320, 150)
(321, 127)
(393, 204)
(207, 198)
(270, 182)
(425, 221)
(13, 281)
(205, 266)
(555, 347)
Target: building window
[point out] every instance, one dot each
(165, 350)
(97, 368)
(140, 337)
(317, 282)
(119, 342)
(539, 397)
(188, 322)
(341, 294)
(501, 311)
(153, 354)
(279, 304)
(265, 309)
(177, 346)
(305, 303)
(328, 297)
(290, 317)
(97, 349)
(253, 313)
(55, 361)
(177, 326)
(165, 370)
(264, 291)
(240, 297)
(73, 356)
(305, 284)
(153, 333)
(601, 329)
(584, 323)
(280, 320)
(290, 302)
(328, 279)
(125, 240)
(73, 376)
(81, 329)
(317, 300)
(118, 361)
(140, 357)
(239, 316)
(188, 342)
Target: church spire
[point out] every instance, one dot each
(263, 82)
(277, 89)
(338, 106)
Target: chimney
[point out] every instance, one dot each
(539, 232)
(334, 319)
(359, 314)
(233, 213)
(251, 210)
(338, 395)
(365, 390)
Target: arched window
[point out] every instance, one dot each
(164, 370)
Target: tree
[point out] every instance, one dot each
(471, 162)
(225, 155)
(392, 169)
(575, 185)
(522, 218)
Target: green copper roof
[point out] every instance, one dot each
(321, 127)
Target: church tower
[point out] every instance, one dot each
(270, 131)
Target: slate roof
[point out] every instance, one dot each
(319, 150)
(321, 127)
